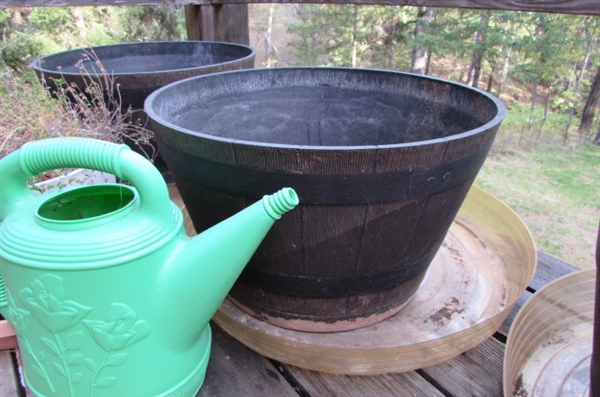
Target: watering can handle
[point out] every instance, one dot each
(48, 154)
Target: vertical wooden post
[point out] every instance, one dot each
(218, 22)
(595, 365)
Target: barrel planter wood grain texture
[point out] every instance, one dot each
(381, 162)
(141, 68)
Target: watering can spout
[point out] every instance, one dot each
(212, 261)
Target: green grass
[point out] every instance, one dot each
(556, 192)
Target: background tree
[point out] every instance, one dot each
(310, 30)
(585, 34)
(587, 115)
(349, 35)
(479, 49)
(549, 55)
(31, 32)
(420, 53)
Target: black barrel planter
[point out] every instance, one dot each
(381, 162)
(141, 68)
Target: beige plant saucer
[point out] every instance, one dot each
(487, 260)
(549, 347)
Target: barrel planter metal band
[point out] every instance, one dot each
(323, 189)
(334, 287)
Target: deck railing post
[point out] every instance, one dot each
(595, 367)
(218, 22)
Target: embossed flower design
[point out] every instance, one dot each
(120, 330)
(45, 300)
(18, 318)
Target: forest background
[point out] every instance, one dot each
(544, 67)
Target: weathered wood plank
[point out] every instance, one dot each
(584, 7)
(476, 372)
(317, 384)
(505, 327)
(77, 3)
(200, 23)
(589, 7)
(226, 23)
(8, 377)
(8, 336)
(235, 370)
(549, 268)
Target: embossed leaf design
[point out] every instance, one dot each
(59, 369)
(38, 370)
(105, 382)
(75, 340)
(18, 318)
(116, 359)
(77, 377)
(90, 364)
(74, 359)
(51, 346)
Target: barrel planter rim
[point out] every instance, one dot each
(493, 123)
(37, 64)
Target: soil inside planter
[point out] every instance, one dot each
(313, 112)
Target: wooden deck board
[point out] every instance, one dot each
(505, 327)
(317, 384)
(549, 268)
(235, 370)
(476, 372)
(8, 376)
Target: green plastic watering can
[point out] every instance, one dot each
(107, 293)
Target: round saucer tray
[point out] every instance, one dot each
(491, 252)
(549, 346)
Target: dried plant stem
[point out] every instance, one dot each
(55, 109)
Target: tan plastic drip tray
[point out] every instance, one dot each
(549, 347)
(487, 260)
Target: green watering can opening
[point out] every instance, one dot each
(87, 202)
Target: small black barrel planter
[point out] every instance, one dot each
(141, 68)
(381, 162)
